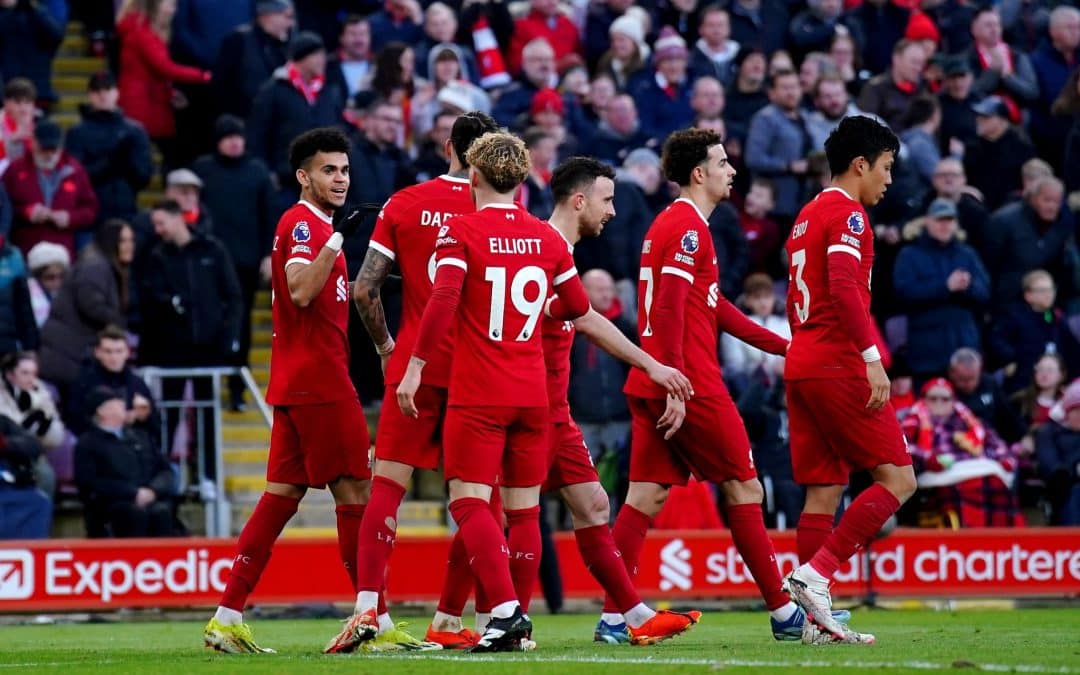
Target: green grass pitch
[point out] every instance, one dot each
(1029, 640)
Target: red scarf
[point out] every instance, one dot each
(310, 90)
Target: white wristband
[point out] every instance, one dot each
(871, 354)
(334, 242)
(385, 348)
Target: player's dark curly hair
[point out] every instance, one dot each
(577, 174)
(858, 136)
(324, 139)
(467, 128)
(685, 150)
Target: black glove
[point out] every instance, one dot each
(348, 225)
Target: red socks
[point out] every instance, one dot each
(377, 533)
(485, 547)
(603, 561)
(253, 548)
(747, 525)
(629, 536)
(349, 517)
(459, 578)
(811, 533)
(861, 522)
(523, 540)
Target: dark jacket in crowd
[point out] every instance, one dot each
(513, 101)
(1057, 455)
(953, 20)
(18, 329)
(765, 28)
(990, 404)
(88, 301)
(29, 38)
(191, 304)
(1021, 335)
(608, 146)
(957, 120)
(732, 249)
(6, 213)
(280, 113)
(1071, 175)
(247, 59)
(385, 171)
(110, 469)
(883, 98)
(125, 383)
(19, 452)
(1017, 242)
(811, 32)
(240, 197)
(940, 321)
(876, 30)
(659, 113)
(115, 151)
(1021, 86)
(740, 108)
(597, 378)
(993, 167)
(775, 141)
(618, 248)
(1052, 72)
(200, 27)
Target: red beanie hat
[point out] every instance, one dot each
(921, 27)
(547, 100)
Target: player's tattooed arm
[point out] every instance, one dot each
(367, 294)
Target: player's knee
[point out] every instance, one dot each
(648, 498)
(743, 491)
(905, 484)
(596, 509)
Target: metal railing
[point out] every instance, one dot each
(218, 508)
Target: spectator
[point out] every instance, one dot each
(114, 150)
(25, 399)
(535, 192)
(1068, 104)
(50, 192)
(351, 68)
(889, 95)
(597, 30)
(431, 160)
(662, 95)
(25, 511)
(191, 303)
(596, 399)
(296, 99)
(1045, 389)
(714, 53)
(901, 384)
(642, 166)
(620, 132)
(239, 196)
(29, 38)
(125, 483)
(1000, 69)
(957, 100)
(398, 21)
(547, 112)
(1026, 330)
(98, 293)
(983, 395)
(1057, 452)
(920, 139)
(778, 143)
(251, 54)
(950, 182)
(740, 359)
(183, 186)
(993, 160)
(49, 264)
(761, 24)
(110, 368)
(749, 94)
(16, 121)
(440, 30)
(942, 286)
(762, 233)
(201, 26)
(394, 80)
(814, 66)
(878, 26)
(545, 21)
(147, 73)
(1036, 233)
(537, 72)
(18, 329)
(812, 29)
(585, 117)
(448, 74)
(628, 53)
(729, 244)
(1053, 61)
(832, 103)
(953, 21)
(617, 249)
(707, 98)
(846, 59)
(969, 468)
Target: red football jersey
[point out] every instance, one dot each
(309, 354)
(822, 345)
(679, 249)
(405, 231)
(513, 262)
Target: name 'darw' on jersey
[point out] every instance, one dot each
(435, 218)
(514, 245)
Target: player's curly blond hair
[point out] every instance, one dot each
(501, 158)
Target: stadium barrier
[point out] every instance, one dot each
(100, 575)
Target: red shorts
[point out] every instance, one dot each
(415, 442)
(496, 445)
(711, 444)
(833, 432)
(569, 462)
(314, 445)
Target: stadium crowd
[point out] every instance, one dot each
(977, 279)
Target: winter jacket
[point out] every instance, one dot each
(1021, 335)
(35, 411)
(993, 167)
(1057, 450)
(883, 98)
(989, 403)
(29, 38)
(1022, 86)
(940, 321)
(71, 191)
(147, 75)
(386, 29)
(125, 383)
(111, 469)
(611, 147)
(19, 454)
(280, 114)
(513, 101)
(765, 28)
(115, 151)
(1051, 72)
(18, 329)
(200, 26)
(957, 119)
(87, 302)
(876, 30)
(702, 64)
(240, 197)
(731, 248)
(1014, 247)
(772, 144)
(191, 304)
(659, 113)
(921, 154)
(247, 59)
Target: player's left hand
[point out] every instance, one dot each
(348, 225)
(406, 392)
(879, 385)
(676, 384)
(673, 417)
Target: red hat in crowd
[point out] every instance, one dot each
(547, 100)
(921, 27)
(936, 383)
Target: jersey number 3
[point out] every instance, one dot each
(798, 262)
(530, 309)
